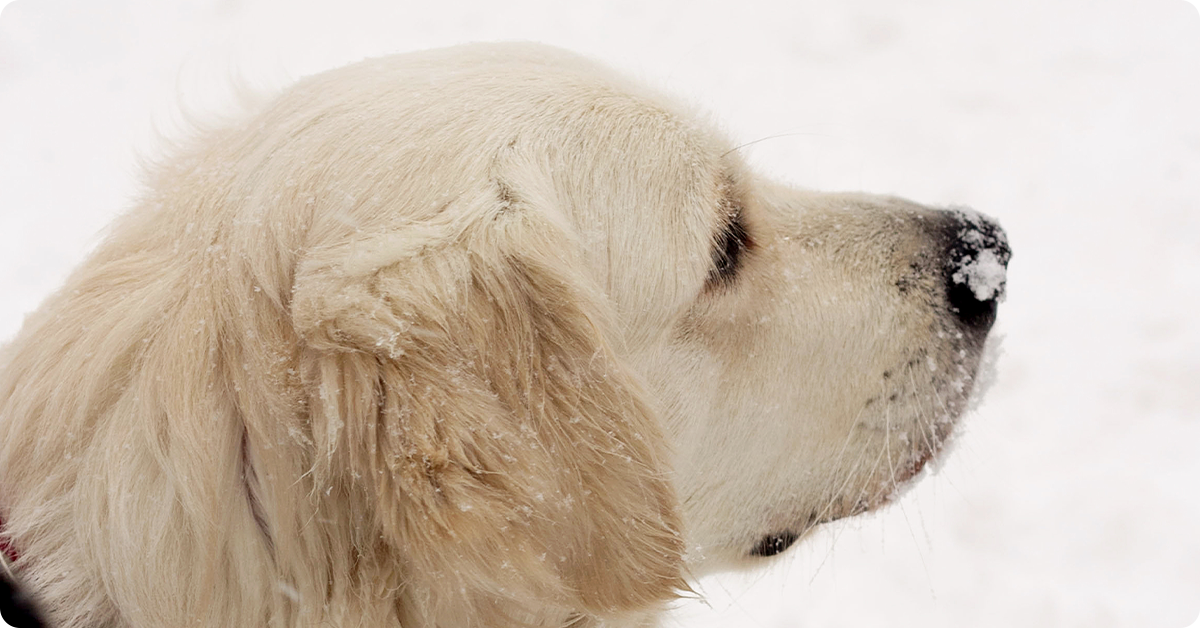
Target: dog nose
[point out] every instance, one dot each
(976, 261)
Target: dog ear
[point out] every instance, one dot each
(461, 383)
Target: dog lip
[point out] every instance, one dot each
(914, 468)
(895, 486)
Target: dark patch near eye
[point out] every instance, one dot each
(507, 197)
(773, 544)
(731, 245)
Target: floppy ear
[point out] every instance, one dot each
(460, 383)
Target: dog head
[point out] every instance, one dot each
(478, 332)
(807, 353)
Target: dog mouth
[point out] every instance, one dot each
(913, 423)
(882, 487)
(887, 488)
(841, 508)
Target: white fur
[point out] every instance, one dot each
(432, 340)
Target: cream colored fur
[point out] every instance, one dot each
(432, 341)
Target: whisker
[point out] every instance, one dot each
(818, 515)
(769, 137)
(849, 437)
(927, 428)
(837, 533)
(887, 444)
(917, 544)
(833, 495)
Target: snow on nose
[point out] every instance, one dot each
(976, 261)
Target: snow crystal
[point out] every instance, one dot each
(984, 274)
(289, 591)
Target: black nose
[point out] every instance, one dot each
(976, 260)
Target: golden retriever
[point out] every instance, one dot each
(481, 336)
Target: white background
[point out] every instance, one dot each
(1073, 497)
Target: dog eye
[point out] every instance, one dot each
(730, 247)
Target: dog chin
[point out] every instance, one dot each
(843, 507)
(925, 456)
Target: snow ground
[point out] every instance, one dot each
(1072, 498)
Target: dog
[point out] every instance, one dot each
(479, 336)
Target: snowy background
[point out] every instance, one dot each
(1073, 497)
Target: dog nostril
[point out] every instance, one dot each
(977, 255)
